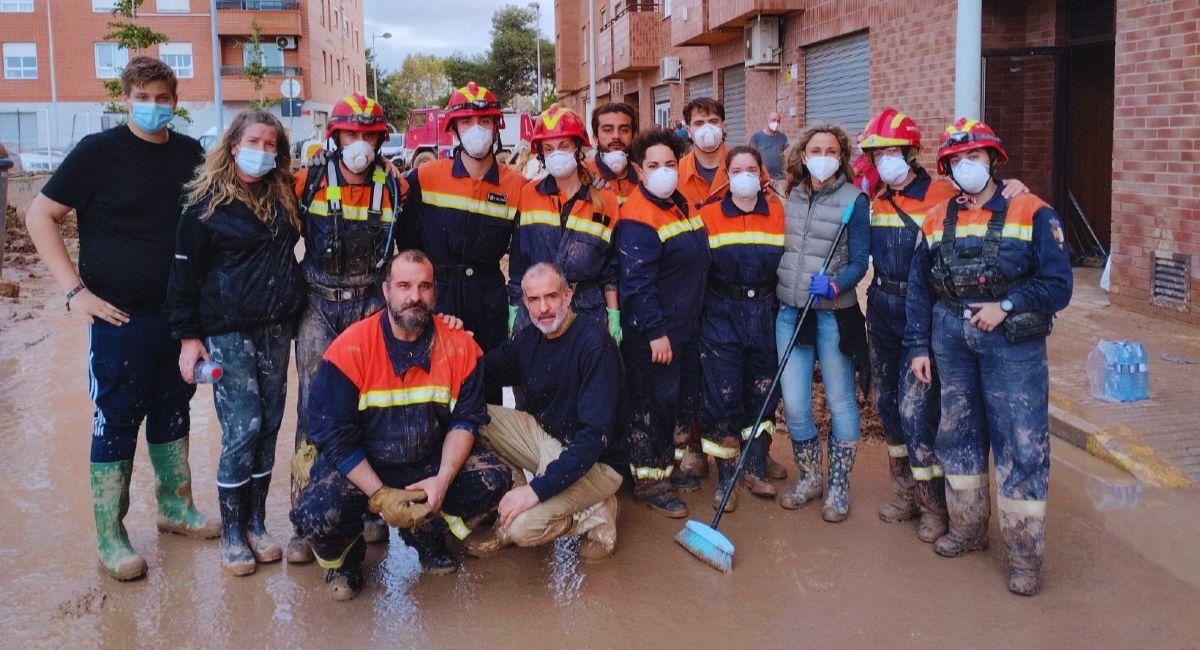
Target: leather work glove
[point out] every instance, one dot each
(822, 286)
(614, 325)
(512, 318)
(318, 159)
(400, 508)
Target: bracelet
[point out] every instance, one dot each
(72, 293)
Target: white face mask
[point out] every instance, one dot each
(892, 169)
(358, 156)
(476, 141)
(254, 162)
(615, 161)
(821, 167)
(774, 126)
(662, 182)
(561, 163)
(744, 185)
(708, 137)
(970, 175)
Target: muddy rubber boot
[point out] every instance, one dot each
(681, 481)
(346, 580)
(236, 556)
(724, 482)
(931, 498)
(264, 547)
(969, 510)
(904, 488)
(600, 541)
(807, 454)
(173, 489)
(668, 504)
(110, 502)
(299, 551)
(487, 542)
(429, 540)
(1024, 544)
(775, 471)
(754, 476)
(375, 529)
(837, 497)
(693, 464)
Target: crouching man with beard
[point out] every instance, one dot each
(570, 435)
(394, 411)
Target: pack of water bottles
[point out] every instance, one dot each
(1119, 371)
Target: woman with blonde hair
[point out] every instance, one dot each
(819, 193)
(234, 295)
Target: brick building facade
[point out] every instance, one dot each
(1096, 101)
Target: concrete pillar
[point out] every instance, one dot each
(968, 59)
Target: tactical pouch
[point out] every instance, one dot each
(1027, 326)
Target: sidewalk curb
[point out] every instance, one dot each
(1118, 445)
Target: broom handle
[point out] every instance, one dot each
(787, 354)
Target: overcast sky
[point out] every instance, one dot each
(438, 27)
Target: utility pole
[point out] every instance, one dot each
(537, 44)
(375, 55)
(968, 58)
(591, 105)
(216, 64)
(53, 76)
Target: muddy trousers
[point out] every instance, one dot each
(663, 402)
(133, 375)
(250, 398)
(519, 439)
(330, 510)
(477, 296)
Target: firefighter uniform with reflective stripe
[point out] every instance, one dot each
(622, 185)
(663, 253)
(992, 390)
(909, 431)
(391, 403)
(737, 327)
(579, 242)
(465, 226)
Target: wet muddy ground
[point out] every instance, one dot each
(797, 581)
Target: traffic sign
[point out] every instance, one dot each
(290, 88)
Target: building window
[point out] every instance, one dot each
(110, 59)
(173, 6)
(271, 55)
(103, 6)
(17, 6)
(179, 57)
(20, 61)
(666, 5)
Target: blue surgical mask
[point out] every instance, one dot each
(151, 117)
(255, 163)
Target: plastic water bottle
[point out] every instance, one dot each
(1143, 372)
(1126, 371)
(207, 372)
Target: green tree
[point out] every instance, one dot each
(513, 54)
(256, 69)
(421, 80)
(395, 106)
(461, 68)
(129, 35)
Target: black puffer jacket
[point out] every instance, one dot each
(232, 272)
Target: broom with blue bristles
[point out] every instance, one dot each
(705, 542)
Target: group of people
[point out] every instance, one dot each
(650, 295)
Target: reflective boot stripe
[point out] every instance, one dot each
(967, 481)
(897, 451)
(457, 526)
(650, 473)
(718, 451)
(928, 473)
(341, 559)
(1023, 507)
(679, 452)
(765, 427)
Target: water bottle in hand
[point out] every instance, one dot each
(207, 372)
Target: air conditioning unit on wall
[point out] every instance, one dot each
(286, 42)
(763, 49)
(670, 69)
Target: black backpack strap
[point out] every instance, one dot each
(991, 239)
(949, 224)
(312, 184)
(908, 221)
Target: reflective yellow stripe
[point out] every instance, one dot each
(967, 481)
(718, 451)
(938, 472)
(457, 526)
(679, 452)
(748, 237)
(406, 397)
(539, 217)
(679, 227)
(341, 559)
(922, 473)
(349, 212)
(893, 220)
(546, 218)
(379, 177)
(1011, 231)
(1023, 507)
(333, 193)
(766, 426)
(474, 206)
(650, 473)
(898, 451)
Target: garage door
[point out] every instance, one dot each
(700, 86)
(733, 95)
(836, 82)
(19, 131)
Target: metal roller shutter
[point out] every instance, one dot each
(662, 94)
(837, 82)
(700, 86)
(733, 96)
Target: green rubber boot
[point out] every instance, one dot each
(110, 502)
(173, 488)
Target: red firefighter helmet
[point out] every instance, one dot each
(891, 128)
(558, 122)
(473, 99)
(966, 135)
(357, 113)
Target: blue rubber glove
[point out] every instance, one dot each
(822, 286)
(512, 318)
(614, 325)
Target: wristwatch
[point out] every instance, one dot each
(1006, 305)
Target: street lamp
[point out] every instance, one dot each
(375, 54)
(537, 44)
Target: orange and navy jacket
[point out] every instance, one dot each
(694, 188)
(663, 257)
(457, 220)
(317, 226)
(580, 244)
(622, 186)
(1032, 256)
(892, 242)
(378, 398)
(745, 246)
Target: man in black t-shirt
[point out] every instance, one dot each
(125, 186)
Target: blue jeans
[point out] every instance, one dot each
(837, 373)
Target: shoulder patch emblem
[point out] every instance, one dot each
(1056, 231)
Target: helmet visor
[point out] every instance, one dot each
(360, 118)
(474, 105)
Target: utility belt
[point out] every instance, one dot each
(1018, 328)
(466, 272)
(740, 291)
(894, 287)
(343, 294)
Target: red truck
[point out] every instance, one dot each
(427, 139)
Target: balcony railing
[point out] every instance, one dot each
(282, 71)
(259, 5)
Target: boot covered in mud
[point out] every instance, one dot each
(598, 525)
(375, 529)
(299, 551)
(262, 545)
(236, 556)
(177, 512)
(837, 497)
(344, 575)
(904, 488)
(931, 499)
(774, 471)
(487, 542)
(725, 467)
(694, 464)
(110, 502)
(660, 496)
(682, 481)
(754, 475)
(1024, 544)
(807, 454)
(429, 540)
(969, 509)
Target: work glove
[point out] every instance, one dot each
(822, 286)
(512, 318)
(318, 159)
(400, 508)
(614, 325)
